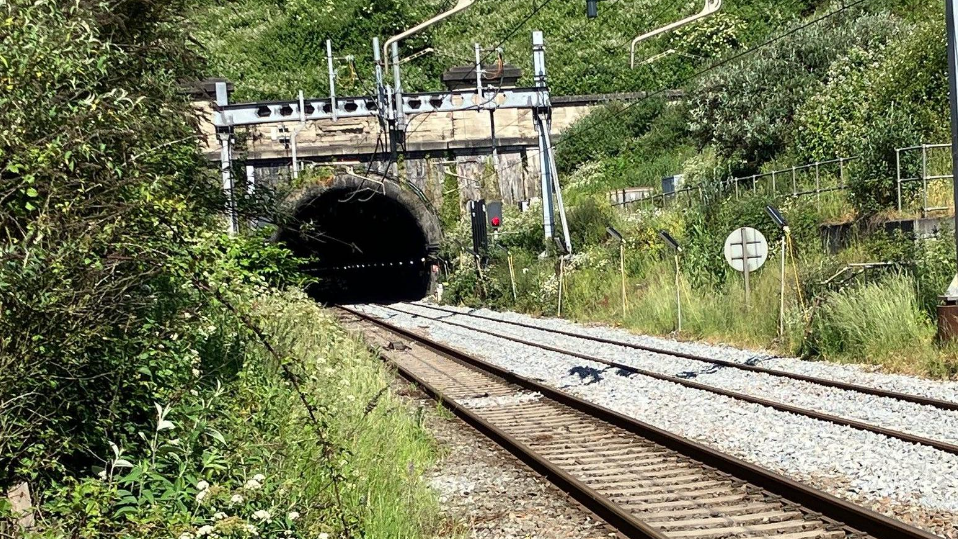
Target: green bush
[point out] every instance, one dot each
(103, 205)
(242, 458)
(873, 102)
(746, 108)
(588, 222)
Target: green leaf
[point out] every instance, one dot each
(32, 193)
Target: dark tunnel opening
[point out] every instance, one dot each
(364, 247)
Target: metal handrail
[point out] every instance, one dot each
(924, 177)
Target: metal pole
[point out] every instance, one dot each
(678, 295)
(555, 184)
(400, 113)
(924, 180)
(512, 278)
(478, 73)
(561, 277)
(951, 16)
(292, 139)
(226, 170)
(794, 190)
(545, 165)
(226, 160)
(332, 77)
(622, 271)
(545, 175)
(817, 182)
(745, 265)
(898, 169)
(250, 179)
(781, 299)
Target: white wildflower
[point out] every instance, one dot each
(323, 535)
(262, 514)
(219, 515)
(196, 372)
(186, 535)
(293, 515)
(102, 474)
(194, 392)
(200, 495)
(253, 484)
(250, 529)
(202, 485)
(259, 477)
(205, 530)
(235, 499)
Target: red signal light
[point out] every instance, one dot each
(496, 221)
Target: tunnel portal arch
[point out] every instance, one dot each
(368, 241)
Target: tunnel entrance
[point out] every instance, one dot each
(366, 246)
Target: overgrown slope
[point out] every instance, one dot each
(273, 49)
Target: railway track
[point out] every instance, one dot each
(644, 481)
(858, 388)
(814, 414)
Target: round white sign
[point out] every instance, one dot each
(746, 244)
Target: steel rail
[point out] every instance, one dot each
(601, 505)
(907, 397)
(855, 518)
(838, 420)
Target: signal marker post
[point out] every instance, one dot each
(674, 245)
(615, 234)
(783, 224)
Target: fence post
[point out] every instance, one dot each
(817, 183)
(898, 181)
(794, 191)
(924, 180)
(841, 172)
(774, 189)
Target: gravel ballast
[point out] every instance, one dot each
(912, 418)
(915, 483)
(865, 375)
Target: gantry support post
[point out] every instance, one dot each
(542, 115)
(225, 136)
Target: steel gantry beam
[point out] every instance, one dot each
(267, 112)
(393, 109)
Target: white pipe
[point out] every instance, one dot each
(460, 5)
(478, 73)
(332, 78)
(711, 6)
(300, 127)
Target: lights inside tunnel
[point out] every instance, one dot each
(364, 249)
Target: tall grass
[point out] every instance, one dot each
(712, 313)
(387, 448)
(880, 323)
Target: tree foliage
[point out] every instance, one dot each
(102, 193)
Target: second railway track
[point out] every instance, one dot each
(939, 444)
(644, 481)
